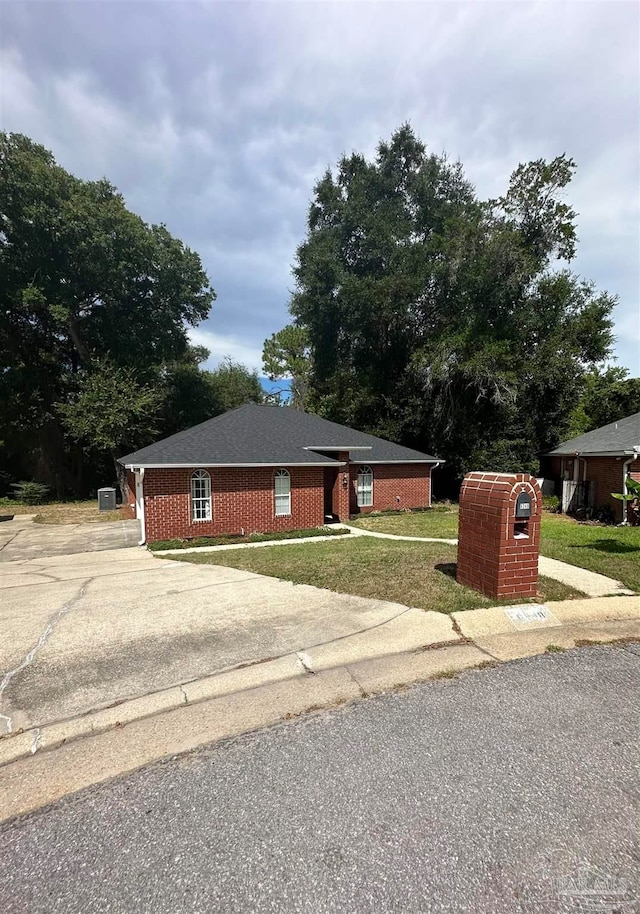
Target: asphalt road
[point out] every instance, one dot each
(511, 789)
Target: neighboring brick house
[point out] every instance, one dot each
(268, 469)
(589, 468)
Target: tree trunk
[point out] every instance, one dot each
(76, 339)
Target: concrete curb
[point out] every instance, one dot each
(390, 654)
(408, 630)
(27, 784)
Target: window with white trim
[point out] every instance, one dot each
(282, 493)
(200, 496)
(364, 488)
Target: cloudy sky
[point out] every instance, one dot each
(217, 117)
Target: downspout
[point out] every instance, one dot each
(625, 473)
(434, 467)
(142, 530)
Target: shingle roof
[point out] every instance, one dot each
(271, 435)
(619, 437)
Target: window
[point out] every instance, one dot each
(200, 496)
(283, 493)
(365, 487)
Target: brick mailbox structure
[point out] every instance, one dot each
(499, 534)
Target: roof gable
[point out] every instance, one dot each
(255, 435)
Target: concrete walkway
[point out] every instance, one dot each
(394, 536)
(231, 546)
(594, 585)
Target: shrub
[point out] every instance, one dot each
(30, 493)
(233, 539)
(551, 503)
(596, 514)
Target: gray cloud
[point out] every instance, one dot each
(217, 118)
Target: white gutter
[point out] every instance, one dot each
(590, 454)
(194, 465)
(365, 462)
(434, 467)
(350, 447)
(139, 473)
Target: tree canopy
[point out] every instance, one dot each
(607, 396)
(441, 320)
(285, 357)
(95, 307)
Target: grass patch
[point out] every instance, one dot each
(612, 551)
(439, 521)
(414, 574)
(555, 649)
(234, 540)
(62, 512)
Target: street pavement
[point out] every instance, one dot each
(509, 789)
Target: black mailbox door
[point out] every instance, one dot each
(523, 505)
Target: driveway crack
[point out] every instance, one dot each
(305, 662)
(42, 640)
(35, 745)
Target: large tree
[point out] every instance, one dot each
(607, 396)
(285, 358)
(441, 320)
(94, 303)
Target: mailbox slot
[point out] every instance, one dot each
(523, 505)
(523, 514)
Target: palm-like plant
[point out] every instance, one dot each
(631, 497)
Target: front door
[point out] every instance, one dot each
(330, 475)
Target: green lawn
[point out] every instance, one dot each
(414, 574)
(614, 551)
(439, 521)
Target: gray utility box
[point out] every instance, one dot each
(106, 499)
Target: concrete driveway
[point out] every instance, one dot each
(84, 631)
(21, 539)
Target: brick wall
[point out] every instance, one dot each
(490, 558)
(241, 499)
(395, 485)
(605, 473)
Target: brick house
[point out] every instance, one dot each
(268, 469)
(589, 468)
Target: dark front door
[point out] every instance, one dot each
(330, 475)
